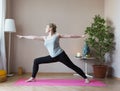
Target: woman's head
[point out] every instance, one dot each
(51, 27)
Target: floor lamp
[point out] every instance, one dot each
(10, 28)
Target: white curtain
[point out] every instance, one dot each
(2, 36)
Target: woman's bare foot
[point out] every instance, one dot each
(87, 81)
(31, 79)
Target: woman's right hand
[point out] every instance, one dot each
(19, 36)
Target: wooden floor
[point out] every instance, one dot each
(112, 84)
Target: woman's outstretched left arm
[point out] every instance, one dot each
(71, 36)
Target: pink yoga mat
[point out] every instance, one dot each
(59, 82)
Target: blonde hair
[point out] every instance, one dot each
(53, 26)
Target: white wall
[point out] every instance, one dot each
(31, 16)
(112, 13)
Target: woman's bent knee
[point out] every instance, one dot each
(36, 61)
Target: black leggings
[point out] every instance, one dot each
(63, 58)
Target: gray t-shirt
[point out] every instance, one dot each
(53, 46)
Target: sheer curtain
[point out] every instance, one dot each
(2, 36)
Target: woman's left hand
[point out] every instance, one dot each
(83, 36)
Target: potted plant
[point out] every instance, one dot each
(100, 40)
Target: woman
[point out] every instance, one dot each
(56, 53)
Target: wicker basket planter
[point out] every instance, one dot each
(100, 71)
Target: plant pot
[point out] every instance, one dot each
(99, 71)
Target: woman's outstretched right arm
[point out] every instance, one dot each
(32, 37)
